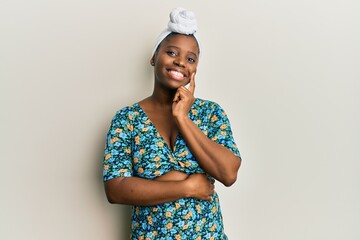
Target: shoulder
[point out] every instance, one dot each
(126, 113)
(206, 105)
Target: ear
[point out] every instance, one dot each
(152, 61)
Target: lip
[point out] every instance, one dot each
(176, 73)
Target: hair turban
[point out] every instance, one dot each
(181, 21)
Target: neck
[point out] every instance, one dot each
(162, 96)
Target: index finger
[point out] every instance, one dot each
(192, 84)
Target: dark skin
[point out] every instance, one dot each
(175, 65)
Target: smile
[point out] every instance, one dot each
(176, 75)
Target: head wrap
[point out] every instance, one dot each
(181, 21)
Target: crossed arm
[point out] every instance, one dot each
(216, 160)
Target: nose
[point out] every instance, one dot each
(179, 62)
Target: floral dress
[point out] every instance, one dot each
(134, 147)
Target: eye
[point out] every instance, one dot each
(191, 60)
(171, 53)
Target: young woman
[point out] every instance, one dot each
(164, 153)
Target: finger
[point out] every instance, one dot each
(176, 97)
(192, 84)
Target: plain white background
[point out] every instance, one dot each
(286, 72)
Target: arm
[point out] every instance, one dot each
(215, 159)
(124, 188)
(146, 192)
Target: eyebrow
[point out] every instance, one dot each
(172, 46)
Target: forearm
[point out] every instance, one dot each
(215, 159)
(144, 192)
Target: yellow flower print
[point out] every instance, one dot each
(187, 164)
(150, 158)
(130, 127)
(184, 153)
(214, 118)
(198, 208)
(169, 225)
(212, 238)
(187, 216)
(114, 139)
(213, 228)
(214, 210)
(223, 126)
(201, 103)
(149, 218)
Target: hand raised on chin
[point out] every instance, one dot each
(183, 99)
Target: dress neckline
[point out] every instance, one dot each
(156, 130)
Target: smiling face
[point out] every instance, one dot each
(175, 61)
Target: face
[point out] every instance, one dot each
(175, 61)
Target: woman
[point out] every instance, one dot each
(164, 152)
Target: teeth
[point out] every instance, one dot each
(179, 74)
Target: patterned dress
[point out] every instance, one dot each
(134, 147)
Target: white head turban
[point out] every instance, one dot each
(181, 21)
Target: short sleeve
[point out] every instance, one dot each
(117, 155)
(220, 130)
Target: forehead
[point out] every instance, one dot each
(184, 42)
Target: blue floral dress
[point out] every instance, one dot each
(134, 147)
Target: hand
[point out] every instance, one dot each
(183, 99)
(200, 186)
